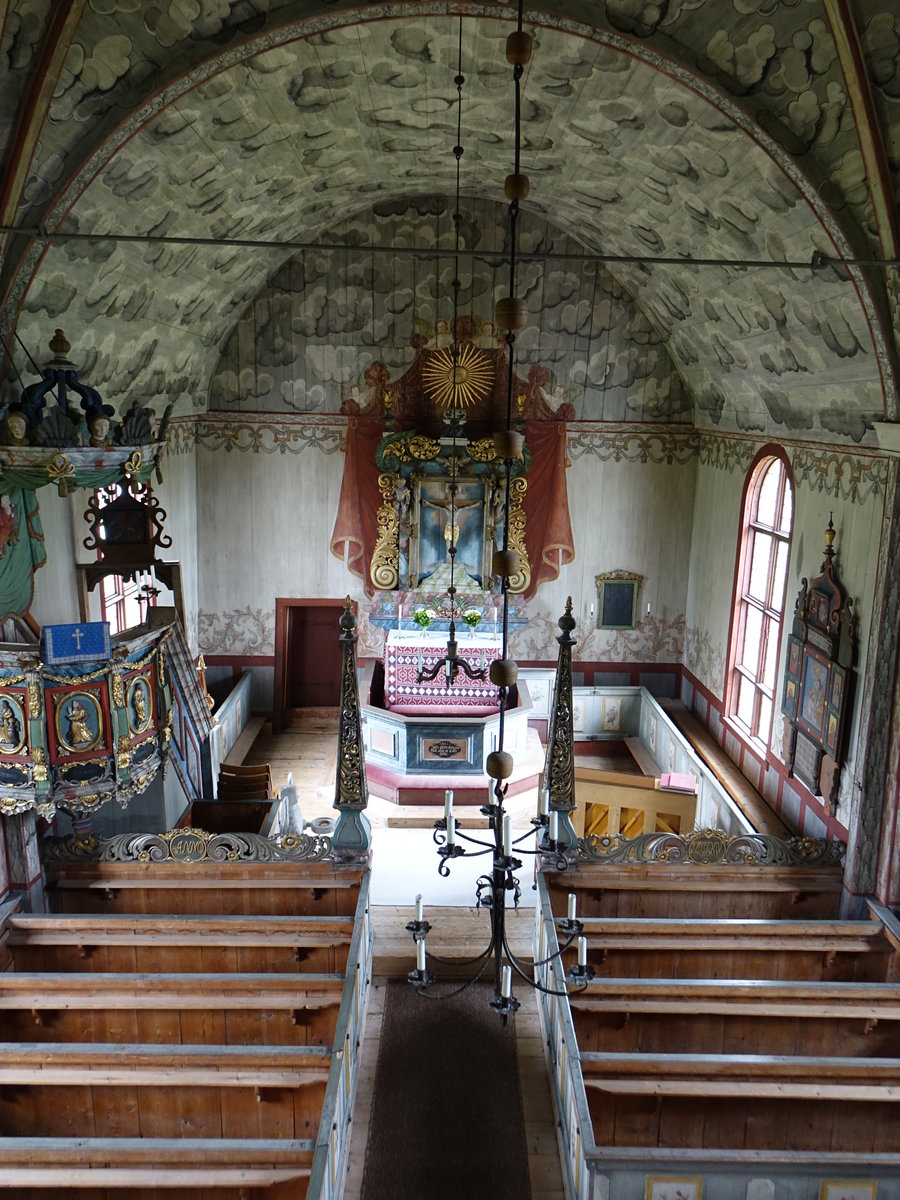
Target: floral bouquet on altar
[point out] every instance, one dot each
(423, 617)
(471, 617)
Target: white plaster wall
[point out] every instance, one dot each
(178, 496)
(264, 531)
(55, 588)
(716, 517)
(629, 516)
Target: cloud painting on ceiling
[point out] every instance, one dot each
(299, 140)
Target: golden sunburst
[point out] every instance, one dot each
(473, 380)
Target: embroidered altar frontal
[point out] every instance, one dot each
(405, 654)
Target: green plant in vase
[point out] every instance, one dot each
(471, 617)
(423, 617)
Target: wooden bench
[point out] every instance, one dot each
(642, 757)
(672, 948)
(746, 1102)
(177, 943)
(281, 888)
(769, 893)
(229, 1167)
(746, 797)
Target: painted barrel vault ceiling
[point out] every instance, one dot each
(704, 129)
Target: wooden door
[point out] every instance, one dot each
(307, 656)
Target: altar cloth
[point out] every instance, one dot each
(466, 697)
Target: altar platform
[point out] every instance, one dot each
(407, 652)
(412, 757)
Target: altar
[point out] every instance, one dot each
(408, 652)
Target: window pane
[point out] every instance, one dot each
(758, 585)
(752, 635)
(768, 495)
(770, 667)
(745, 701)
(787, 510)
(765, 718)
(776, 600)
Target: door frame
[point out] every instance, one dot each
(283, 606)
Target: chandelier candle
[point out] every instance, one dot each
(554, 826)
(451, 830)
(420, 955)
(420, 910)
(570, 914)
(507, 836)
(448, 806)
(545, 802)
(582, 952)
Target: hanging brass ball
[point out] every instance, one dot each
(517, 186)
(508, 443)
(510, 312)
(519, 47)
(504, 672)
(499, 764)
(506, 563)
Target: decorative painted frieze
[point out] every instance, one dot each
(634, 445)
(852, 477)
(273, 436)
(704, 659)
(240, 631)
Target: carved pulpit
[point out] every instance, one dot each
(818, 680)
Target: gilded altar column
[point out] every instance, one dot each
(352, 838)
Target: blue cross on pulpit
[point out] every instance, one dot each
(85, 642)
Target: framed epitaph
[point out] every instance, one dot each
(618, 594)
(818, 675)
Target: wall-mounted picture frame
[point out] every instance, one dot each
(813, 696)
(843, 1189)
(618, 598)
(611, 714)
(673, 1188)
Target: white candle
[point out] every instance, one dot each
(494, 615)
(420, 660)
(545, 801)
(448, 804)
(420, 955)
(571, 913)
(582, 952)
(506, 982)
(399, 614)
(492, 796)
(554, 826)
(507, 836)
(419, 907)
(451, 829)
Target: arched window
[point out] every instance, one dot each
(759, 597)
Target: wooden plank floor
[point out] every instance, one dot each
(461, 931)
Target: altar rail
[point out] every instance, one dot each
(785, 1028)
(192, 1023)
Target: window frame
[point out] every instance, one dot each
(118, 594)
(759, 740)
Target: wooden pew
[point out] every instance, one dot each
(228, 889)
(177, 943)
(732, 1019)
(755, 949)
(213, 1009)
(749, 1102)
(231, 1169)
(640, 890)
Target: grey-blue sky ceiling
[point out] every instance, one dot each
(623, 157)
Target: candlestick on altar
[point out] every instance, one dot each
(399, 616)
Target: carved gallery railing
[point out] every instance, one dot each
(710, 847)
(414, 521)
(188, 845)
(77, 735)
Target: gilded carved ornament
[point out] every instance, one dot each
(517, 488)
(384, 570)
